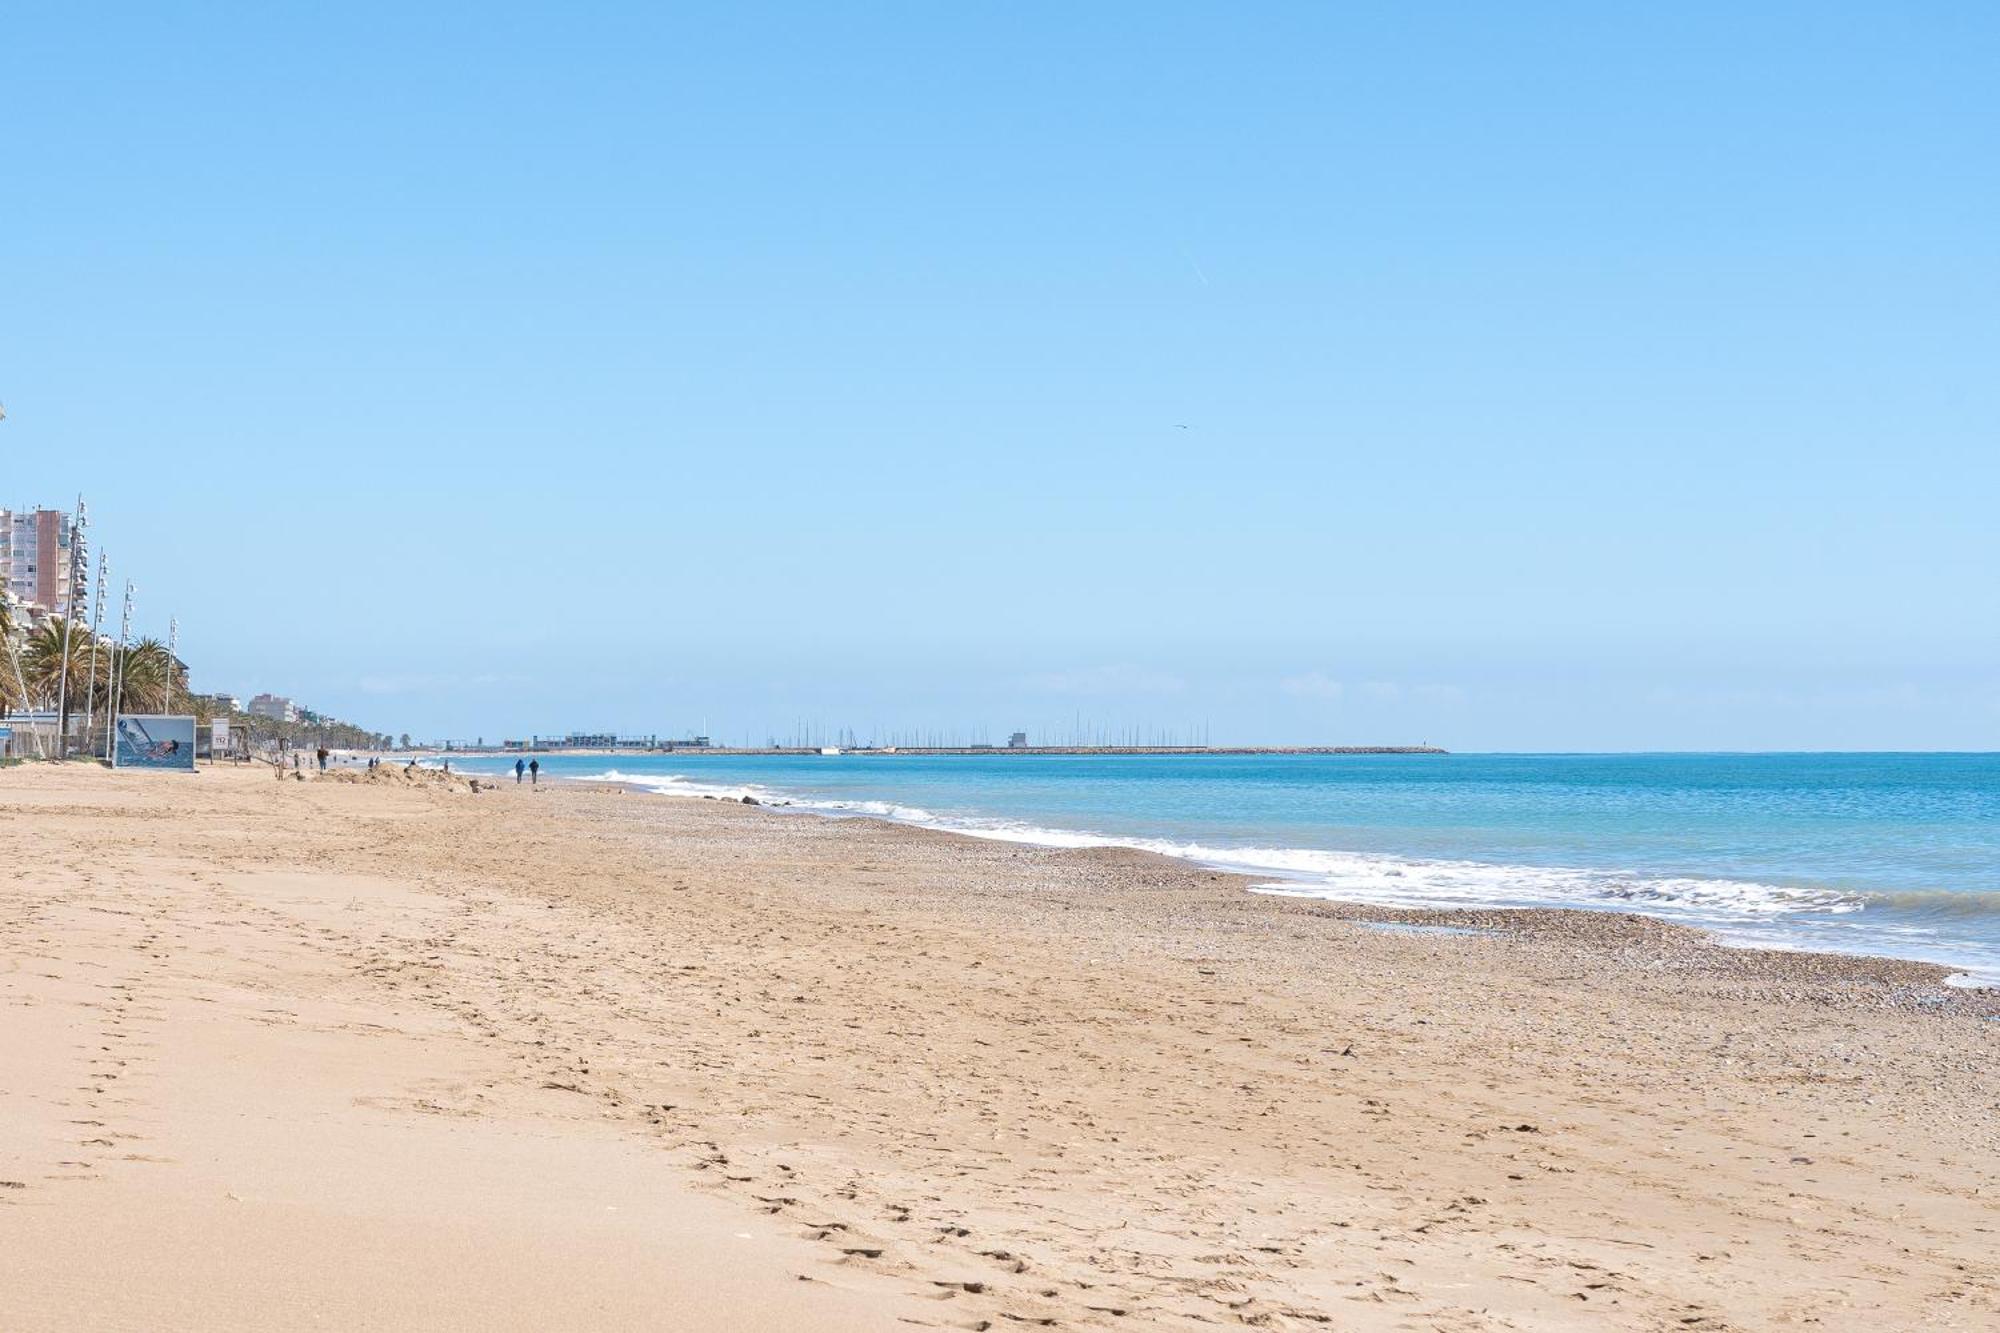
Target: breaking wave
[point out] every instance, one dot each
(1896, 923)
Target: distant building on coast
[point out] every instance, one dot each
(43, 559)
(224, 703)
(275, 707)
(579, 740)
(1018, 741)
(604, 740)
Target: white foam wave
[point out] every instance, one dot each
(1398, 881)
(1415, 882)
(906, 814)
(1389, 881)
(673, 784)
(1742, 911)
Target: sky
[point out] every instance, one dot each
(1522, 377)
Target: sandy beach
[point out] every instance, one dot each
(391, 1054)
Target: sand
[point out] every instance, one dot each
(392, 1054)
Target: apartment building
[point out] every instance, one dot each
(43, 559)
(274, 706)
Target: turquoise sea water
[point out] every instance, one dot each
(1895, 854)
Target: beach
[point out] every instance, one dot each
(387, 1052)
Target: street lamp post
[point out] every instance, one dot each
(96, 623)
(76, 531)
(117, 682)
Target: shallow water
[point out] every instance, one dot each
(1895, 854)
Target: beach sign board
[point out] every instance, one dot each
(154, 740)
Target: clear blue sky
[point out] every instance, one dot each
(1551, 376)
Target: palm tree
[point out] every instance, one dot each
(8, 691)
(92, 688)
(142, 684)
(42, 662)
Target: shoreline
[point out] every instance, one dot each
(858, 1073)
(1568, 923)
(1269, 882)
(920, 751)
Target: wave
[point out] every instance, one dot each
(1742, 911)
(1943, 904)
(1392, 881)
(904, 814)
(674, 784)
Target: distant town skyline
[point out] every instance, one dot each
(1515, 377)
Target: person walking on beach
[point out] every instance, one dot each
(534, 772)
(322, 758)
(519, 767)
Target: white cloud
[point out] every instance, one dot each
(1312, 685)
(1861, 699)
(422, 683)
(1390, 692)
(402, 684)
(1105, 681)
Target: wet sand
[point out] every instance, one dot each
(391, 1054)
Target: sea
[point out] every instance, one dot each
(1888, 854)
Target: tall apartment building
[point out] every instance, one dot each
(274, 706)
(43, 559)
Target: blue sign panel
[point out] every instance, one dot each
(154, 740)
